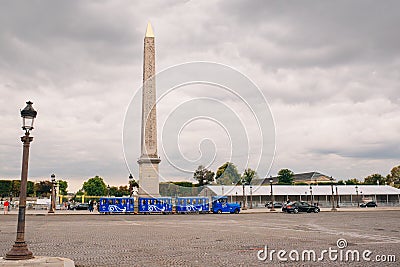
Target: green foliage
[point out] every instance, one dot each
(394, 177)
(353, 181)
(174, 189)
(95, 187)
(228, 174)
(285, 176)
(43, 188)
(30, 189)
(248, 175)
(203, 175)
(5, 188)
(63, 185)
(183, 184)
(374, 179)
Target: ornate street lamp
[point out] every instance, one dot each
(311, 195)
(337, 197)
(108, 190)
(130, 185)
(251, 196)
(53, 194)
(272, 195)
(236, 197)
(358, 200)
(333, 196)
(20, 250)
(244, 195)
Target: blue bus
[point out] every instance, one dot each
(192, 205)
(116, 205)
(149, 205)
(220, 204)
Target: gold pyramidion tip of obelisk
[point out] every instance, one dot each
(149, 31)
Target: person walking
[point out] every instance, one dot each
(90, 206)
(6, 206)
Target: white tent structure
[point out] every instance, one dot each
(345, 195)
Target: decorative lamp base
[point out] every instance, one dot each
(19, 251)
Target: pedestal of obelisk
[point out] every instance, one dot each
(149, 160)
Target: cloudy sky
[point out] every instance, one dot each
(330, 72)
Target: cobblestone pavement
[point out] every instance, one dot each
(203, 240)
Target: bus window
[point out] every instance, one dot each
(143, 202)
(123, 202)
(110, 202)
(103, 201)
(116, 201)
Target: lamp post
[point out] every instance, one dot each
(337, 197)
(130, 185)
(251, 196)
(358, 200)
(20, 250)
(244, 196)
(333, 196)
(108, 190)
(53, 194)
(236, 197)
(311, 195)
(272, 195)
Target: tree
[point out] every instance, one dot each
(285, 176)
(353, 181)
(248, 175)
(95, 187)
(63, 185)
(203, 175)
(227, 174)
(5, 188)
(43, 188)
(394, 176)
(374, 179)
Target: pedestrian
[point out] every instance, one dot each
(90, 205)
(6, 205)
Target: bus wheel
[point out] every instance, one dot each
(236, 211)
(219, 211)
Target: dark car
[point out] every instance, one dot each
(371, 204)
(82, 206)
(277, 205)
(299, 206)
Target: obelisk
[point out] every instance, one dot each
(149, 160)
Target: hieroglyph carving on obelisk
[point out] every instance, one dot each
(149, 160)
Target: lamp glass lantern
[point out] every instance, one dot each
(28, 115)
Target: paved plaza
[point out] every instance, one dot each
(204, 240)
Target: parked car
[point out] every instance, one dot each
(371, 204)
(82, 206)
(277, 205)
(299, 206)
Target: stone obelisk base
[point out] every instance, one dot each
(148, 177)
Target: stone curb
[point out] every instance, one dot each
(39, 261)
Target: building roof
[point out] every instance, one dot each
(292, 190)
(307, 177)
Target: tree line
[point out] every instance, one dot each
(11, 188)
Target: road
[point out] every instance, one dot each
(207, 240)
